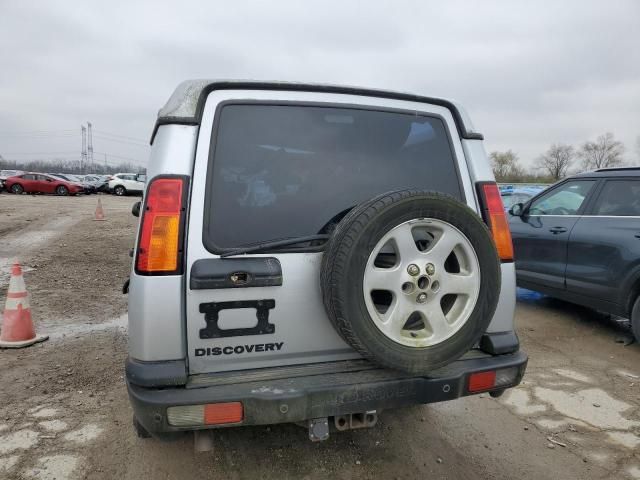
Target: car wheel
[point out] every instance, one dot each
(635, 319)
(62, 190)
(411, 279)
(17, 188)
(119, 190)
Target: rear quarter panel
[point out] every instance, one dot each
(480, 170)
(156, 308)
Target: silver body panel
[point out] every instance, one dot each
(164, 316)
(156, 309)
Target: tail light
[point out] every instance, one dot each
(493, 379)
(209, 414)
(481, 382)
(162, 227)
(495, 217)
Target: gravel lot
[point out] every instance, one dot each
(64, 411)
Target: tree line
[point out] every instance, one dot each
(69, 166)
(559, 160)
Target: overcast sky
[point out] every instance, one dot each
(529, 73)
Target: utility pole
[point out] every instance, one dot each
(83, 155)
(90, 144)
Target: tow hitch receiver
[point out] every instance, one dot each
(319, 427)
(354, 421)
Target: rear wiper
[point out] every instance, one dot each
(257, 247)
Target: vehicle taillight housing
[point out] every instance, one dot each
(495, 217)
(162, 227)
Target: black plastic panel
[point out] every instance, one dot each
(499, 343)
(215, 273)
(169, 373)
(212, 313)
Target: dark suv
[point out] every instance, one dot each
(580, 241)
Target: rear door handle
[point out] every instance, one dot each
(637, 235)
(556, 230)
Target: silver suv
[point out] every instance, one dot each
(315, 254)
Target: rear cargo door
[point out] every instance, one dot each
(273, 165)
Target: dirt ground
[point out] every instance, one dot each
(64, 411)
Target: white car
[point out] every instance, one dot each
(122, 183)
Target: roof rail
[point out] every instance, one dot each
(613, 169)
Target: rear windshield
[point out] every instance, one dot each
(281, 171)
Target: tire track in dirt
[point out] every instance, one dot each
(19, 243)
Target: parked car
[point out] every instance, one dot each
(99, 182)
(124, 183)
(4, 174)
(42, 183)
(511, 196)
(318, 261)
(580, 241)
(87, 188)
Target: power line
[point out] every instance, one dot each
(121, 157)
(120, 136)
(125, 142)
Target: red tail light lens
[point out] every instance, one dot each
(496, 219)
(482, 381)
(221, 413)
(159, 248)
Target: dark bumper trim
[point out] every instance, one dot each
(319, 395)
(171, 373)
(499, 343)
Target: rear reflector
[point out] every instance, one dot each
(482, 381)
(492, 379)
(221, 413)
(161, 228)
(496, 219)
(209, 414)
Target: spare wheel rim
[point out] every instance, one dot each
(424, 276)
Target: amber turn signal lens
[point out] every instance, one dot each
(497, 220)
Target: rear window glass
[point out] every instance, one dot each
(281, 171)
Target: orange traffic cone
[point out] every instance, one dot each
(99, 212)
(17, 326)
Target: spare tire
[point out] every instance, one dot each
(411, 279)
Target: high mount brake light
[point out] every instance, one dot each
(159, 248)
(495, 217)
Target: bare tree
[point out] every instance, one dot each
(557, 160)
(505, 166)
(638, 147)
(605, 152)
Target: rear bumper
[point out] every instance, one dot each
(315, 396)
